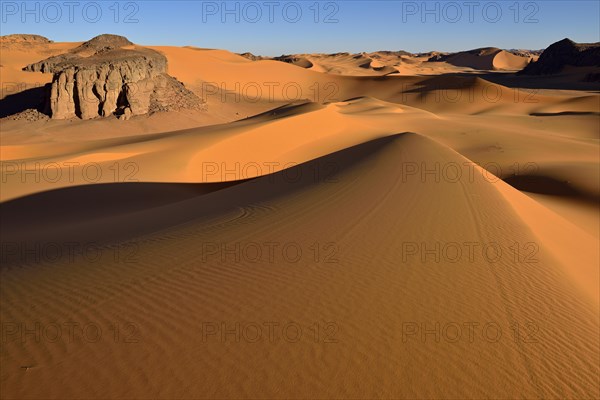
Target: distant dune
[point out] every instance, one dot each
(488, 58)
(402, 62)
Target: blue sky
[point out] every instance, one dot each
(277, 27)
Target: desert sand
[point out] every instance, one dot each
(332, 226)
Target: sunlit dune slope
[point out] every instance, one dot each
(265, 144)
(372, 285)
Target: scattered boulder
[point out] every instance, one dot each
(126, 114)
(171, 95)
(30, 115)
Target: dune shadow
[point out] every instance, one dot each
(562, 113)
(62, 223)
(108, 214)
(514, 81)
(286, 110)
(549, 186)
(553, 82)
(98, 201)
(445, 82)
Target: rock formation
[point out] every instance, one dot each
(398, 53)
(252, 57)
(563, 53)
(23, 41)
(526, 53)
(295, 60)
(109, 75)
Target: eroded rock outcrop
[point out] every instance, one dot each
(252, 57)
(109, 75)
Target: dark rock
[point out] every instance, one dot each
(563, 53)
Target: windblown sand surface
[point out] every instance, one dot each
(335, 235)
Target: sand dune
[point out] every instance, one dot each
(189, 156)
(488, 58)
(373, 346)
(345, 63)
(390, 62)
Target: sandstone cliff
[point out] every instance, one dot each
(108, 75)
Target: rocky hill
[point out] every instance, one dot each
(110, 75)
(564, 53)
(23, 40)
